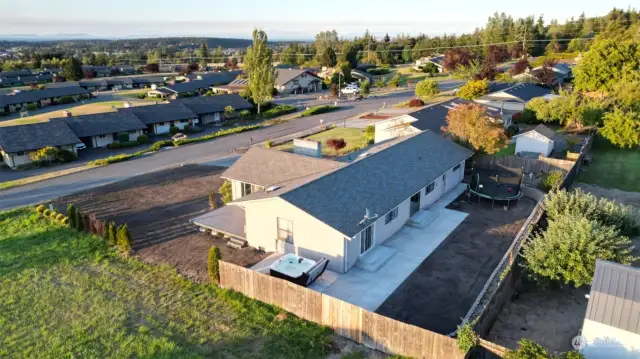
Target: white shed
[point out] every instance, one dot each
(611, 327)
(539, 140)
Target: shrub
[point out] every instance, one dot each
(60, 217)
(551, 181)
(112, 159)
(370, 133)
(278, 111)
(212, 200)
(365, 87)
(46, 212)
(173, 130)
(512, 130)
(113, 145)
(473, 89)
(53, 214)
(123, 137)
(528, 349)
(71, 214)
(32, 107)
(378, 71)
(111, 233)
(40, 209)
(428, 87)
(65, 221)
(379, 83)
(318, 110)
(415, 102)
(79, 221)
(142, 96)
(226, 193)
(394, 82)
(336, 144)
(466, 338)
(159, 144)
(66, 100)
(213, 265)
(267, 144)
(245, 114)
(123, 239)
(142, 139)
(64, 156)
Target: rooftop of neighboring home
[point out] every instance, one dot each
(544, 131)
(120, 81)
(161, 113)
(102, 123)
(615, 296)
(283, 76)
(434, 117)
(148, 80)
(210, 104)
(378, 182)
(16, 73)
(219, 78)
(93, 83)
(36, 95)
(237, 84)
(522, 92)
(35, 136)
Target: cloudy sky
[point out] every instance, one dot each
(282, 19)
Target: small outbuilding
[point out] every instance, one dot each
(541, 140)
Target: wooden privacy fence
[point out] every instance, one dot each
(350, 321)
(529, 165)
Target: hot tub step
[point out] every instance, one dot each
(236, 243)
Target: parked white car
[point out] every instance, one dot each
(80, 146)
(351, 89)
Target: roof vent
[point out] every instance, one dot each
(273, 188)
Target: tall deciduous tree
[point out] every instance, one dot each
(472, 125)
(607, 63)
(520, 67)
(72, 69)
(473, 89)
(259, 67)
(456, 57)
(622, 128)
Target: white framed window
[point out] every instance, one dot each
(20, 153)
(391, 215)
(285, 230)
(102, 136)
(161, 124)
(366, 239)
(246, 189)
(430, 188)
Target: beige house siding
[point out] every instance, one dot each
(99, 141)
(395, 127)
(311, 238)
(236, 189)
(14, 160)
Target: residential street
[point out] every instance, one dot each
(196, 153)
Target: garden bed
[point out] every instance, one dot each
(354, 137)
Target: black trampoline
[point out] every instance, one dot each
(499, 183)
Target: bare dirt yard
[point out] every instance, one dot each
(438, 294)
(157, 208)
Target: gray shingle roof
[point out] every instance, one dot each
(546, 132)
(615, 296)
(202, 105)
(102, 123)
(525, 92)
(434, 117)
(35, 136)
(219, 78)
(379, 182)
(266, 168)
(161, 113)
(145, 80)
(285, 75)
(36, 95)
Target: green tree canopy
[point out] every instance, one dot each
(328, 57)
(622, 128)
(473, 89)
(607, 63)
(258, 65)
(427, 87)
(72, 70)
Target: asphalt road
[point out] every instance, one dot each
(196, 153)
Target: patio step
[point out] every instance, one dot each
(422, 219)
(236, 243)
(375, 258)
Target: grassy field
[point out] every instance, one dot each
(510, 150)
(91, 108)
(42, 177)
(613, 167)
(64, 294)
(354, 137)
(133, 94)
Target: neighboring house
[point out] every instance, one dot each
(294, 80)
(16, 73)
(316, 208)
(147, 81)
(101, 129)
(513, 98)
(562, 72)
(611, 327)
(160, 118)
(19, 101)
(100, 71)
(210, 109)
(10, 81)
(94, 85)
(236, 86)
(541, 139)
(436, 60)
(163, 92)
(122, 83)
(17, 142)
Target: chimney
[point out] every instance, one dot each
(67, 113)
(307, 148)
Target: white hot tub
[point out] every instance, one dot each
(292, 266)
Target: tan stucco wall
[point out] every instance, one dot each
(392, 128)
(312, 238)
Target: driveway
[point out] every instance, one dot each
(405, 251)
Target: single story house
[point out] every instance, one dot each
(17, 142)
(94, 85)
(101, 129)
(159, 118)
(236, 86)
(19, 101)
(10, 81)
(127, 70)
(120, 83)
(611, 327)
(295, 80)
(181, 89)
(436, 60)
(211, 108)
(562, 72)
(147, 81)
(541, 139)
(16, 73)
(319, 209)
(219, 78)
(513, 98)
(99, 71)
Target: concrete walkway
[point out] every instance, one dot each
(411, 245)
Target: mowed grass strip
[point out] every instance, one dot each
(65, 294)
(354, 137)
(613, 167)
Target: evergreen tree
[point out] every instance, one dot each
(123, 239)
(72, 70)
(259, 67)
(71, 213)
(328, 57)
(111, 234)
(79, 221)
(203, 54)
(213, 265)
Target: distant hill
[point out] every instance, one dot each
(85, 42)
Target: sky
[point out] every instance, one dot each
(293, 19)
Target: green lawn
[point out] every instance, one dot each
(613, 167)
(354, 137)
(135, 93)
(64, 294)
(510, 150)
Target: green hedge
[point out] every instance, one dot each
(217, 134)
(318, 110)
(278, 111)
(378, 71)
